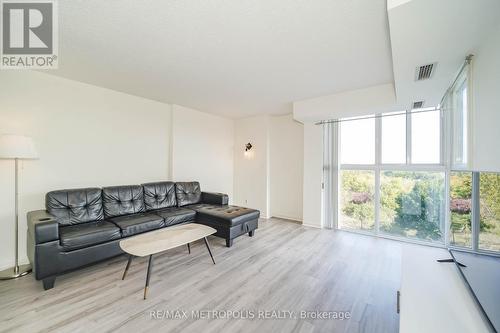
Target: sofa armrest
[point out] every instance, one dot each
(214, 198)
(43, 226)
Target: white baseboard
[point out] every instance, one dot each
(287, 218)
(312, 226)
(10, 265)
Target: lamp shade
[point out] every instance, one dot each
(17, 146)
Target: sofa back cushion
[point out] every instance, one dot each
(159, 195)
(75, 206)
(187, 193)
(123, 200)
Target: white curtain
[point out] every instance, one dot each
(457, 109)
(330, 175)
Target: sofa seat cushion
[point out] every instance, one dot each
(225, 215)
(74, 237)
(137, 223)
(174, 215)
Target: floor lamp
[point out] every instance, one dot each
(16, 147)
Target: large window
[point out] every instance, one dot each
(407, 175)
(426, 138)
(392, 179)
(475, 210)
(357, 144)
(412, 205)
(357, 206)
(461, 209)
(489, 199)
(394, 139)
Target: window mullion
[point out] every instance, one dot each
(408, 137)
(447, 214)
(476, 216)
(446, 162)
(442, 151)
(378, 160)
(336, 175)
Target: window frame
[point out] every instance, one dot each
(339, 136)
(409, 129)
(378, 167)
(380, 144)
(462, 81)
(475, 217)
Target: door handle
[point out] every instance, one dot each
(398, 302)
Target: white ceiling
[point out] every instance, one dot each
(233, 58)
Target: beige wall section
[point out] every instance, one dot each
(286, 161)
(251, 171)
(202, 149)
(85, 136)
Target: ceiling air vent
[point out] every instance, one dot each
(418, 105)
(424, 72)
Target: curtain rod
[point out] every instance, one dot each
(392, 114)
(467, 61)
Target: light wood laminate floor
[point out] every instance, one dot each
(284, 267)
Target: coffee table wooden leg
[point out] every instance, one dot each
(126, 268)
(208, 247)
(150, 264)
(189, 248)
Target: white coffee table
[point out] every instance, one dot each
(157, 241)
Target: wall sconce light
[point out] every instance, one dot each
(248, 152)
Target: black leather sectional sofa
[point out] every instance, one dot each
(83, 226)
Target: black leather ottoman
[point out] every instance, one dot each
(229, 221)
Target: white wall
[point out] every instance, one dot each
(286, 167)
(270, 177)
(91, 136)
(251, 173)
(85, 136)
(202, 149)
(486, 116)
(313, 175)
